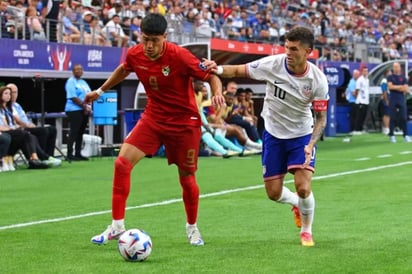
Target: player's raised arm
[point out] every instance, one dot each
(118, 75)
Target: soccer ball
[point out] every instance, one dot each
(134, 245)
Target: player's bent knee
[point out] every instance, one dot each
(303, 192)
(122, 165)
(273, 195)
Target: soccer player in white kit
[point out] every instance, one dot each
(293, 87)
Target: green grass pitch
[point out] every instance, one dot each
(362, 222)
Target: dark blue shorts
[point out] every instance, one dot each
(280, 156)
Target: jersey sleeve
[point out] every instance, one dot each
(194, 66)
(258, 69)
(320, 101)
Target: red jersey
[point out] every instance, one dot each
(168, 83)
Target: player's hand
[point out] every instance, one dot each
(90, 97)
(218, 100)
(210, 65)
(308, 156)
(87, 109)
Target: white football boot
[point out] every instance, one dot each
(107, 235)
(193, 235)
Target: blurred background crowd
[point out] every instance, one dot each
(384, 26)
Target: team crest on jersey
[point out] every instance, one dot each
(307, 91)
(202, 67)
(166, 71)
(254, 64)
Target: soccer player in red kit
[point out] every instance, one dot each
(170, 118)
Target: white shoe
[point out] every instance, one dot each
(230, 153)
(255, 146)
(107, 235)
(407, 139)
(51, 161)
(392, 139)
(248, 152)
(5, 167)
(11, 167)
(193, 235)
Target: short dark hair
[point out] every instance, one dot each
(154, 24)
(301, 34)
(240, 91)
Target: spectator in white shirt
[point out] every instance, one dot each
(362, 100)
(114, 32)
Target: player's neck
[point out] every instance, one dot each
(154, 58)
(297, 70)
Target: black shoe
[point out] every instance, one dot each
(80, 158)
(71, 158)
(37, 164)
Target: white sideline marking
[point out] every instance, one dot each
(363, 159)
(384, 156)
(223, 192)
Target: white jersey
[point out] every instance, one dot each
(287, 104)
(362, 85)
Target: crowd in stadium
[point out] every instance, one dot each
(384, 25)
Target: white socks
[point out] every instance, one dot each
(307, 210)
(191, 226)
(250, 144)
(118, 224)
(306, 207)
(288, 197)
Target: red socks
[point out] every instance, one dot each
(121, 187)
(190, 197)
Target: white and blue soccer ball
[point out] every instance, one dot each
(134, 245)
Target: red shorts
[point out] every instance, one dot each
(181, 142)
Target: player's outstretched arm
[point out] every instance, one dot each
(231, 71)
(118, 75)
(226, 71)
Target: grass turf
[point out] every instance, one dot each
(362, 191)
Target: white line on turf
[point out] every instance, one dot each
(384, 156)
(223, 192)
(363, 159)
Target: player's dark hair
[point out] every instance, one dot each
(154, 24)
(301, 34)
